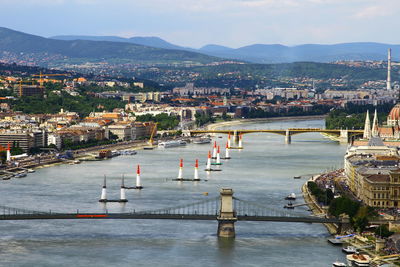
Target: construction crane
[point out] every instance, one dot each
(152, 134)
(52, 74)
(20, 86)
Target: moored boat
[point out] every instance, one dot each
(289, 205)
(291, 196)
(357, 259)
(20, 175)
(349, 249)
(201, 140)
(128, 152)
(172, 144)
(338, 264)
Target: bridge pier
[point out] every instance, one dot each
(344, 136)
(235, 136)
(186, 133)
(227, 217)
(344, 225)
(288, 137)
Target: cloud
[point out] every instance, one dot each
(373, 12)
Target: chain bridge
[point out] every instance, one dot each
(225, 209)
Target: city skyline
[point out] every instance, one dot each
(235, 23)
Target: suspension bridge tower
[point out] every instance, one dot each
(227, 217)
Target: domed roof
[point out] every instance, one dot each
(395, 113)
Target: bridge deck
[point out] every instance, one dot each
(138, 216)
(290, 131)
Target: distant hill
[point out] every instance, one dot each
(270, 53)
(215, 48)
(146, 41)
(32, 46)
(154, 50)
(275, 53)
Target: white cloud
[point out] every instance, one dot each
(374, 11)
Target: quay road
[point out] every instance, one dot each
(51, 157)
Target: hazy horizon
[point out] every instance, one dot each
(232, 23)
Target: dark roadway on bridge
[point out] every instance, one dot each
(138, 216)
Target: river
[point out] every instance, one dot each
(262, 172)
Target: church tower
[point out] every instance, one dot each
(367, 127)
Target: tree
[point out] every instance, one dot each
(383, 231)
(203, 118)
(343, 205)
(15, 149)
(165, 121)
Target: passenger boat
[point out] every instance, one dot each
(291, 196)
(339, 264)
(202, 140)
(339, 240)
(357, 259)
(349, 249)
(128, 152)
(172, 144)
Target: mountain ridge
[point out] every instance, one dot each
(154, 50)
(278, 53)
(20, 43)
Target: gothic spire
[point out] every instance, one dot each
(375, 129)
(367, 127)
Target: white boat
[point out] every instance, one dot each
(349, 249)
(291, 196)
(357, 259)
(172, 144)
(128, 152)
(31, 170)
(20, 175)
(202, 140)
(339, 264)
(115, 153)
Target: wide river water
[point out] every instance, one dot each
(262, 172)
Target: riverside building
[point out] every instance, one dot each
(371, 165)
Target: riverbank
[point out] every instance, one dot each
(365, 243)
(90, 153)
(315, 208)
(218, 125)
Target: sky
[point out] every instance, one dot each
(195, 23)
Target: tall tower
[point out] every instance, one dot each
(367, 127)
(389, 68)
